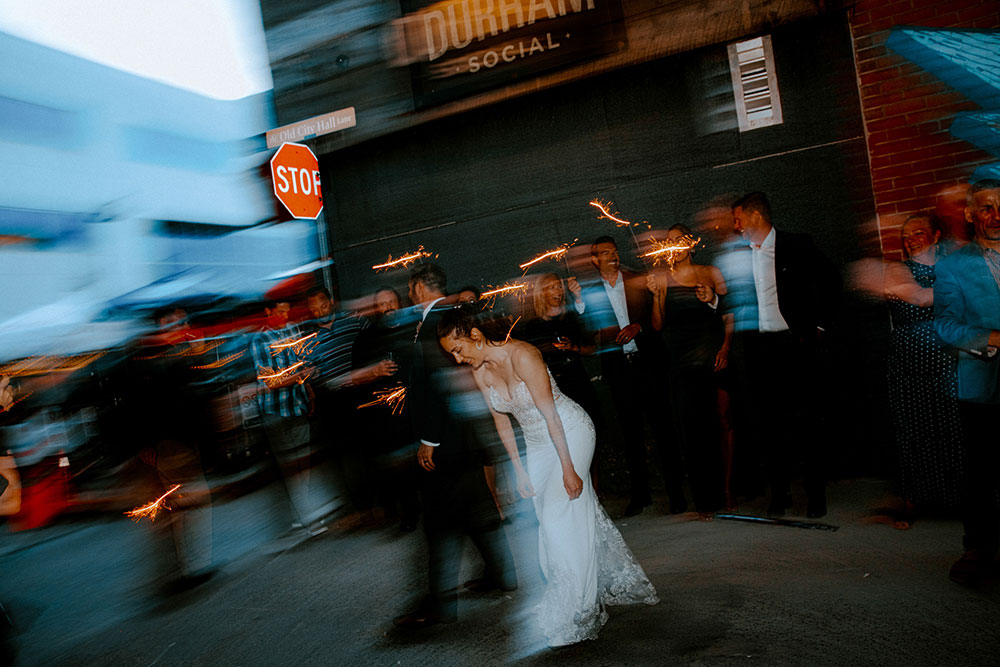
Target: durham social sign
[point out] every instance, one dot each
(459, 47)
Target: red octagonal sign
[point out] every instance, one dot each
(295, 174)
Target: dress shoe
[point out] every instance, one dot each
(635, 506)
(816, 509)
(421, 619)
(486, 585)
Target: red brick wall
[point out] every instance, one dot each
(916, 164)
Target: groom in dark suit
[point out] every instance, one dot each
(618, 307)
(445, 404)
(790, 293)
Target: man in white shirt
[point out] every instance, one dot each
(618, 308)
(796, 290)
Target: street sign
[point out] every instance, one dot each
(334, 121)
(295, 174)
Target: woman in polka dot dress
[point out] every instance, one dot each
(922, 378)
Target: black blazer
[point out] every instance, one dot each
(445, 405)
(809, 285)
(600, 319)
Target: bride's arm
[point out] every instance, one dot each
(506, 432)
(528, 366)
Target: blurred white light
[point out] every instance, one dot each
(212, 47)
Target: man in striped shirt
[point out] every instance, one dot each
(283, 401)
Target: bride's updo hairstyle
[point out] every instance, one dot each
(461, 320)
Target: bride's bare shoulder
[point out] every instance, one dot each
(524, 353)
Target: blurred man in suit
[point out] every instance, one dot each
(967, 317)
(456, 499)
(618, 308)
(792, 295)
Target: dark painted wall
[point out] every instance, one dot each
(490, 189)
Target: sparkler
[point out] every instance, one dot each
(668, 251)
(271, 378)
(511, 330)
(49, 364)
(394, 398)
(556, 253)
(403, 261)
(153, 509)
(605, 209)
(606, 214)
(298, 345)
(224, 361)
(509, 288)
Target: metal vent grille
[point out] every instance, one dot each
(751, 64)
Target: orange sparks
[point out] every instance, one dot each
(509, 288)
(224, 361)
(298, 345)
(403, 261)
(394, 398)
(556, 253)
(511, 330)
(668, 252)
(606, 213)
(153, 509)
(49, 364)
(271, 377)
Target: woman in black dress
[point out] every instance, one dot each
(685, 309)
(558, 332)
(923, 380)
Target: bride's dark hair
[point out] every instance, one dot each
(461, 320)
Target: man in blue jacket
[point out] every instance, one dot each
(967, 317)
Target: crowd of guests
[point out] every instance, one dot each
(722, 367)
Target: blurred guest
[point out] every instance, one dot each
(336, 397)
(685, 308)
(176, 423)
(619, 308)
(559, 334)
(795, 295)
(456, 500)
(469, 295)
(967, 317)
(389, 423)
(922, 378)
(284, 404)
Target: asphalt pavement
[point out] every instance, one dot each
(87, 592)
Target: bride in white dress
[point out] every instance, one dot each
(584, 559)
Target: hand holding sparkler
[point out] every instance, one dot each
(653, 285)
(573, 286)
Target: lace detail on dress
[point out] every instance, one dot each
(620, 579)
(585, 560)
(531, 420)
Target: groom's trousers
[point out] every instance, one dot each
(457, 503)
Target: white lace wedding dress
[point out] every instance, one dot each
(583, 556)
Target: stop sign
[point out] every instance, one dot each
(295, 173)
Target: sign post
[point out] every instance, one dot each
(295, 174)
